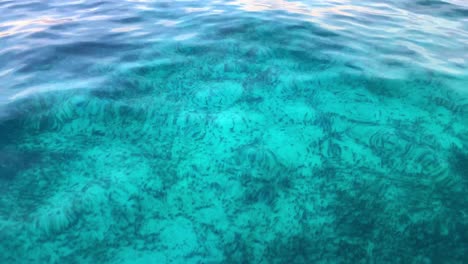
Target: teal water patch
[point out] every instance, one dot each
(257, 141)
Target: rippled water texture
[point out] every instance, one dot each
(233, 131)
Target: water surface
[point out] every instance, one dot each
(233, 131)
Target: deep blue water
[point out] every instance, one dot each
(234, 131)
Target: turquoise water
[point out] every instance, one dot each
(234, 131)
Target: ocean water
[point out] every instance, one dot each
(239, 131)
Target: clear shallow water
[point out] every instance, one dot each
(233, 132)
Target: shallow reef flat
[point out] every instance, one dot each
(259, 142)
